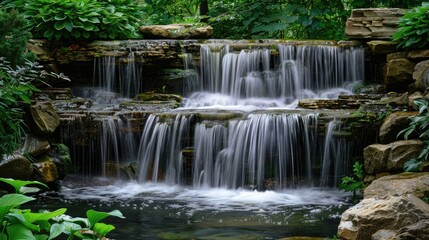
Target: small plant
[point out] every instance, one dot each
(420, 125)
(413, 31)
(354, 183)
(19, 223)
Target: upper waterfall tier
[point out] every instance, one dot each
(259, 75)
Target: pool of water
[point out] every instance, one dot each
(157, 211)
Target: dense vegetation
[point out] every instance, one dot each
(237, 19)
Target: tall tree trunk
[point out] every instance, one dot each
(204, 9)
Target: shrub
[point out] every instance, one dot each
(419, 124)
(82, 19)
(14, 35)
(413, 31)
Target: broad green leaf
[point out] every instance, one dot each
(59, 25)
(103, 229)
(68, 25)
(9, 201)
(59, 17)
(17, 217)
(41, 237)
(20, 232)
(18, 184)
(96, 216)
(56, 230)
(3, 236)
(32, 217)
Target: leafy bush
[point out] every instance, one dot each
(82, 19)
(354, 183)
(14, 88)
(419, 124)
(413, 31)
(19, 223)
(14, 35)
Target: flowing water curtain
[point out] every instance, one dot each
(118, 74)
(250, 73)
(159, 155)
(264, 149)
(118, 145)
(337, 155)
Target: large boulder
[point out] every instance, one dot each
(392, 214)
(398, 185)
(47, 169)
(16, 167)
(398, 74)
(176, 31)
(35, 145)
(379, 47)
(45, 117)
(391, 157)
(393, 124)
(421, 75)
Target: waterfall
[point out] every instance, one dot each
(337, 154)
(295, 72)
(118, 74)
(262, 151)
(117, 145)
(159, 154)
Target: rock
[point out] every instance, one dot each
(421, 75)
(391, 157)
(419, 54)
(398, 74)
(419, 230)
(373, 214)
(47, 169)
(414, 96)
(152, 96)
(374, 23)
(176, 31)
(372, 89)
(384, 234)
(399, 101)
(35, 145)
(393, 124)
(399, 185)
(395, 55)
(16, 167)
(45, 117)
(379, 47)
(60, 154)
(424, 167)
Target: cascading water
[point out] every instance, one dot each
(199, 166)
(297, 72)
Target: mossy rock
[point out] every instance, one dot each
(152, 96)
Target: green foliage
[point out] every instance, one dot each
(419, 125)
(14, 35)
(15, 87)
(413, 31)
(354, 183)
(19, 223)
(82, 19)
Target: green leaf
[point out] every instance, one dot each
(9, 201)
(59, 25)
(103, 229)
(20, 232)
(18, 217)
(32, 217)
(96, 216)
(48, 33)
(412, 165)
(59, 17)
(68, 25)
(56, 230)
(18, 184)
(41, 237)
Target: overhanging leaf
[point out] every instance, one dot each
(96, 216)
